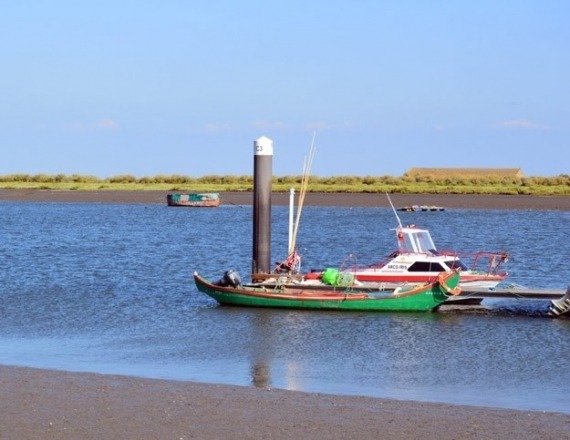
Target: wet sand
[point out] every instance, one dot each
(467, 201)
(42, 404)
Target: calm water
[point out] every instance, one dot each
(108, 288)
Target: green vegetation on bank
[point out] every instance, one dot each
(559, 185)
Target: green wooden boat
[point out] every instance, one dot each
(421, 297)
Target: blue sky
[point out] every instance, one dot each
(185, 87)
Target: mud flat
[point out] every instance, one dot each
(42, 404)
(467, 201)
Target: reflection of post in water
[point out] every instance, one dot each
(261, 347)
(265, 342)
(260, 375)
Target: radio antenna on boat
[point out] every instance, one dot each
(307, 163)
(394, 209)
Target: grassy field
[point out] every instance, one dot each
(559, 185)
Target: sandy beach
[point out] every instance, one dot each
(41, 404)
(44, 404)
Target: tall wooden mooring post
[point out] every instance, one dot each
(262, 177)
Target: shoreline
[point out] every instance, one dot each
(37, 404)
(451, 201)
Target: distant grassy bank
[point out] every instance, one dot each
(543, 186)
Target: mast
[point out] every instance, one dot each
(394, 209)
(304, 184)
(291, 214)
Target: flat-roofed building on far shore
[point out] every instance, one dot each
(465, 172)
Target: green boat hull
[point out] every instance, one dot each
(424, 298)
(209, 200)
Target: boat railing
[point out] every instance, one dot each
(490, 263)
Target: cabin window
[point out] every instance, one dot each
(408, 244)
(423, 266)
(424, 242)
(456, 264)
(417, 242)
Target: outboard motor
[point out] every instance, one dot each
(230, 279)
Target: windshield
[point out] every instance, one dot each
(416, 241)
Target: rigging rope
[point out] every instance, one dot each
(308, 162)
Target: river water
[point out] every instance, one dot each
(108, 288)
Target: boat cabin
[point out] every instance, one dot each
(412, 240)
